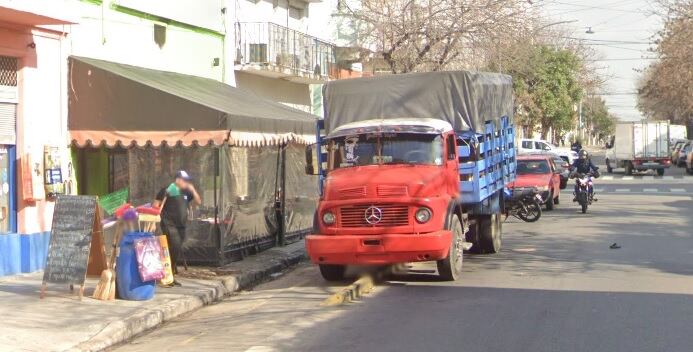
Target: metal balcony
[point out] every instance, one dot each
(272, 50)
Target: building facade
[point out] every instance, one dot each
(33, 51)
(275, 56)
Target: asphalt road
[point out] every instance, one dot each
(556, 286)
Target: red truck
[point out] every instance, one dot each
(412, 168)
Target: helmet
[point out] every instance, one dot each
(583, 154)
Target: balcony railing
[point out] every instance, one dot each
(278, 47)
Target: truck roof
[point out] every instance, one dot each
(466, 100)
(395, 125)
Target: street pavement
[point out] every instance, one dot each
(556, 286)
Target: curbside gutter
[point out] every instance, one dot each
(123, 330)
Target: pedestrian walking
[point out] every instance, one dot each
(176, 199)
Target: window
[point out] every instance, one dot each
(541, 146)
(526, 144)
(452, 153)
(378, 149)
(533, 167)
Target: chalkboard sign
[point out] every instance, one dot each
(76, 224)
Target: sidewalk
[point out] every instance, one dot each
(60, 322)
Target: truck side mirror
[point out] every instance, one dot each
(311, 160)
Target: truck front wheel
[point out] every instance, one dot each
(450, 268)
(490, 233)
(332, 272)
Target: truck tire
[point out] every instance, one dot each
(331, 272)
(660, 172)
(490, 234)
(472, 236)
(609, 169)
(450, 268)
(629, 168)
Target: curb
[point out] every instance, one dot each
(120, 331)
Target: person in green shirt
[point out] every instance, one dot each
(176, 200)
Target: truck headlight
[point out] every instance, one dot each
(328, 218)
(423, 215)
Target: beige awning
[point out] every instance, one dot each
(115, 104)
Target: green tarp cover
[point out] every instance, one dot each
(464, 99)
(109, 96)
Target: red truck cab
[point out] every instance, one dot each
(387, 194)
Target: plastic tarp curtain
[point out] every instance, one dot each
(301, 192)
(247, 209)
(151, 169)
(251, 184)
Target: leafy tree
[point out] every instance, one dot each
(597, 117)
(666, 87)
(548, 89)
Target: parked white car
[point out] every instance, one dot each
(538, 145)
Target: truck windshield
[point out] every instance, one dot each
(385, 148)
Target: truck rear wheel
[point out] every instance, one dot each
(450, 268)
(490, 234)
(331, 272)
(629, 168)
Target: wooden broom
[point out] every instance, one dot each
(105, 289)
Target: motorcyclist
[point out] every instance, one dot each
(583, 165)
(576, 146)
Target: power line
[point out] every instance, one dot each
(624, 59)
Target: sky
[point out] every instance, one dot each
(622, 31)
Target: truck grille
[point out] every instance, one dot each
(350, 193)
(392, 191)
(392, 215)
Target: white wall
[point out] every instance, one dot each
(107, 34)
(266, 11)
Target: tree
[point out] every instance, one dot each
(597, 117)
(432, 35)
(666, 87)
(548, 89)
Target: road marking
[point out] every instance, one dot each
(678, 190)
(607, 177)
(628, 178)
(650, 190)
(667, 177)
(622, 190)
(599, 190)
(261, 349)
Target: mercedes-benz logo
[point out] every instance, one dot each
(373, 215)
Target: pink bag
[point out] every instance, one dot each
(148, 252)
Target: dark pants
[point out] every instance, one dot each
(175, 236)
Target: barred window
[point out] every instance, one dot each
(8, 71)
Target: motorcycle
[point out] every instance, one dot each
(523, 203)
(584, 193)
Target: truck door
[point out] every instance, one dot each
(452, 165)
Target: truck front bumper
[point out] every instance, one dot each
(378, 249)
(651, 166)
